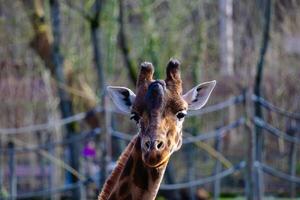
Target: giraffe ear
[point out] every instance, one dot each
(122, 97)
(198, 96)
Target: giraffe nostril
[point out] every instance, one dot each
(156, 145)
(148, 144)
(159, 145)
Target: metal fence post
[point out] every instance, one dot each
(105, 139)
(41, 164)
(52, 171)
(292, 161)
(1, 169)
(12, 174)
(250, 168)
(191, 174)
(218, 167)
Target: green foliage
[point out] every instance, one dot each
(298, 168)
(160, 198)
(4, 193)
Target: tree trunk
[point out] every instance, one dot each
(257, 91)
(227, 54)
(105, 122)
(65, 101)
(123, 43)
(226, 37)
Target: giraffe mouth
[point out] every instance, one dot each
(155, 161)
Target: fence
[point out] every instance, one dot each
(252, 168)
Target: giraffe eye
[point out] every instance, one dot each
(181, 114)
(135, 117)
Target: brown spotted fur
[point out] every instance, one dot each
(111, 181)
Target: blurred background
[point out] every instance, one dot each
(60, 135)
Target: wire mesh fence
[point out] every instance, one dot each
(246, 167)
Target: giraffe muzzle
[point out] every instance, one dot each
(154, 151)
(153, 145)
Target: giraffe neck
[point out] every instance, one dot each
(131, 179)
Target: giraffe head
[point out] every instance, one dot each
(159, 109)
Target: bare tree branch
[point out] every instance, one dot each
(42, 40)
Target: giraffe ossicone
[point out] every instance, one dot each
(159, 109)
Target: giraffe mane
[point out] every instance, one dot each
(111, 181)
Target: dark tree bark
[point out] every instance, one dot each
(105, 122)
(65, 101)
(123, 43)
(257, 90)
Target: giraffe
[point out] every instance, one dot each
(159, 109)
